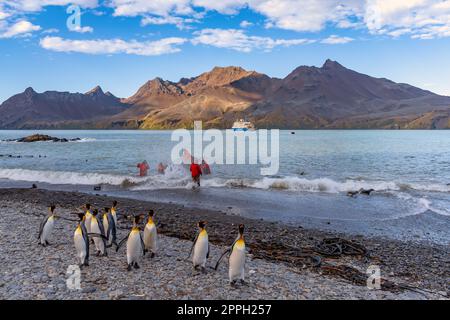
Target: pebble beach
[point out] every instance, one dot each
(30, 271)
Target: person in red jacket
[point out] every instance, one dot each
(205, 167)
(196, 172)
(143, 168)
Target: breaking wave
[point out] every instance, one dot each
(326, 185)
(65, 177)
(178, 177)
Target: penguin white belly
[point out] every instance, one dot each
(150, 238)
(87, 222)
(134, 247)
(106, 227)
(114, 215)
(237, 263)
(200, 251)
(98, 240)
(47, 230)
(80, 245)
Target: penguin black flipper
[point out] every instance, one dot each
(111, 227)
(193, 244)
(207, 254)
(142, 244)
(84, 233)
(101, 227)
(229, 250)
(102, 231)
(41, 226)
(122, 241)
(223, 255)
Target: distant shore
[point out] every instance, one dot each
(277, 267)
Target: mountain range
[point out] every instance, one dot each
(330, 96)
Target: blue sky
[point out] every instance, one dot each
(120, 44)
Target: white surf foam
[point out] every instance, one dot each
(305, 185)
(65, 177)
(179, 177)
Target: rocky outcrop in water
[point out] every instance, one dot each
(43, 137)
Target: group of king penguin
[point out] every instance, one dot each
(102, 232)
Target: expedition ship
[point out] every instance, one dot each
(242, 125)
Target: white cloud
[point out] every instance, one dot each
(398, 32)
(52, 30)
(37, 5)
(245, 24)
(179, 22)
(423, 19)
(222, 6)
(3, 15)
(154, 7)
(334, 39)
(419, 19)
(239, 41)
(19, 28)
(305, 15)
(80, 29)
(113, 46)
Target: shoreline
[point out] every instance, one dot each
(270, 244)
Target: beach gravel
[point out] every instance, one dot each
(30, 271)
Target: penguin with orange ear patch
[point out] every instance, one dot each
(236, 268)
(200, 247)
(135, 244)
(98, 233)
(81, 241)
(150, 234)
(46, 227)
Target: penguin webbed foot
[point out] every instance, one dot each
(129, 267)
(152, 255)
(136, 266)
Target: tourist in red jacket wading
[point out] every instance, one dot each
(196, 171)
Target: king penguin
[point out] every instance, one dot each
(46, 227)
(88, 217)
(150, 234)
(81, 240)
(200, 247)
(135, 244)
(98, 233)
(110, 227)
(114, 212)
(236, 268)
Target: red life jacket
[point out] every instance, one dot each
(143, 167)
(195, 170)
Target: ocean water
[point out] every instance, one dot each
(409, 170)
